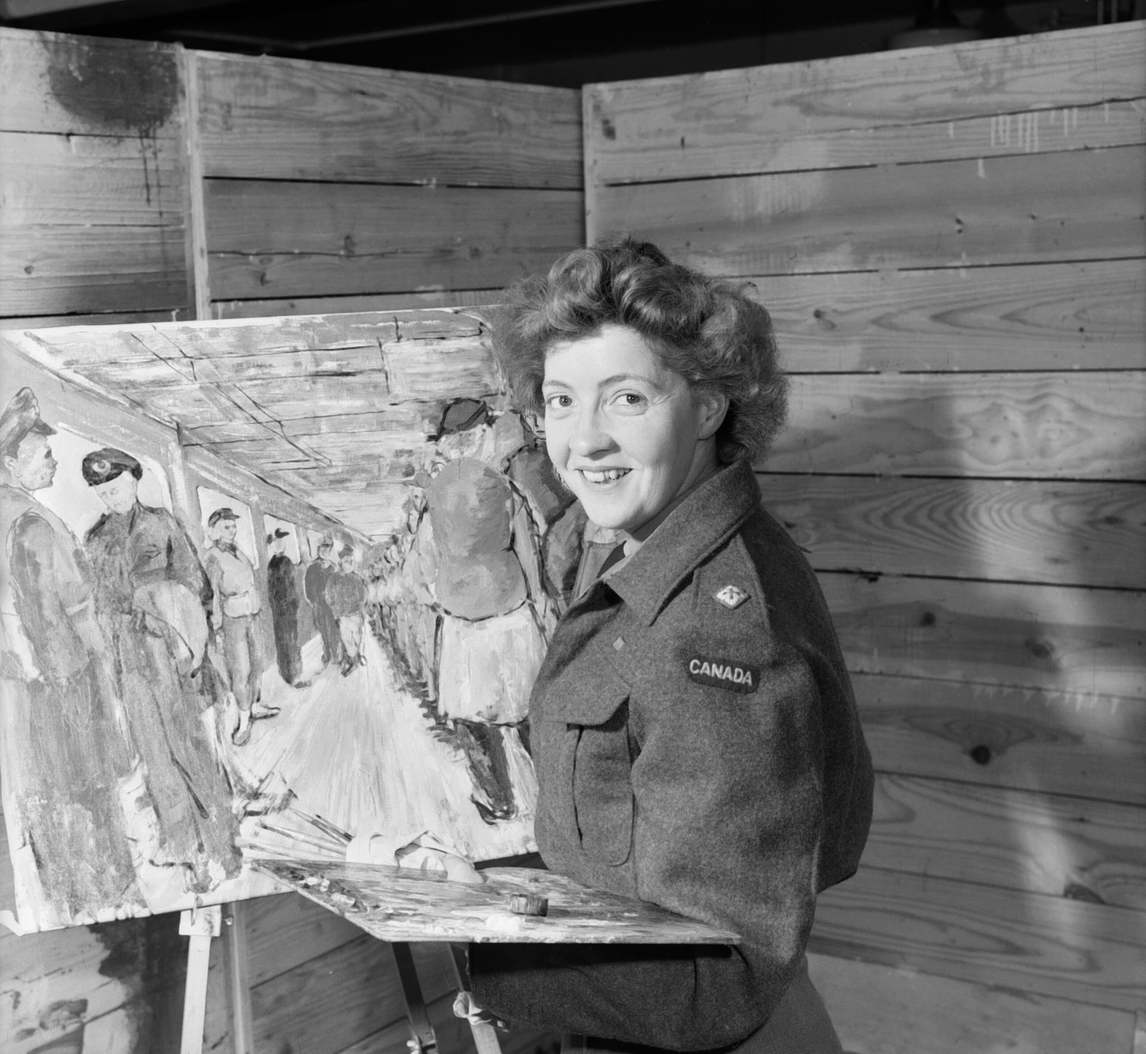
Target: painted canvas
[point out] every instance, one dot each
(274, 590)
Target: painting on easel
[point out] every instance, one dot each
(273, 590)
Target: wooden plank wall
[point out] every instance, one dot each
(335, 188)
(143, 182)
(952, 244)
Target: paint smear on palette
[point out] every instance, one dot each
(396, 905)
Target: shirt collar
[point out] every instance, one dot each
(698, 525)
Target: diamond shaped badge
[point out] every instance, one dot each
(730, 596)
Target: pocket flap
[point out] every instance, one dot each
(591, 696)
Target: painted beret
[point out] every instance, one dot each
(224, 513)
(19, 419)
(102, 466)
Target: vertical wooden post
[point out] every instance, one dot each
(196, 235)
(199, 925)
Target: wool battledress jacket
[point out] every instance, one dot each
(697, 746)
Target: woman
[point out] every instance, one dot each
(151, 596)
(693, 727)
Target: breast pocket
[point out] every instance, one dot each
(593, 782)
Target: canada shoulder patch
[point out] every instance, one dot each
(723, 673)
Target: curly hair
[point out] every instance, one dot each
(705, 330)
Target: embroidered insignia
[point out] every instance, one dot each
(719, 673)
(730, 596)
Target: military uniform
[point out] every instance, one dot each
(697, 746)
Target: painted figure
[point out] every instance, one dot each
(282, 593)
(346, 596)
(235, 609)
(152, 597)
(64, 748)
(314, 587)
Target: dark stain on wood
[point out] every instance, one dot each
(128, 91)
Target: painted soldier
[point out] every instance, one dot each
(152, 597)
(64, 751)
(235, 619)
(314, 587)
(282, 593)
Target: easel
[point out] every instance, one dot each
(202, 925)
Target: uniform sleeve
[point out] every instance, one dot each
(214, 572)
(48, 594)
(727, 824)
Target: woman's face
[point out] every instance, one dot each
(118, 494)
(627, 435)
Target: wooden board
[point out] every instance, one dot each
(1068, 316)
(1005, 210)
(726, 121)
(269, 239)
(1001, 425)
(1061, 533)
(77, 270)
(701, 152)
(91, 181)
(384, 900)
(1049, 946)
(887, 1010)
(267, 118)
(88, 85)
(1062, 638)
(992, 735)
(1022, 840)
(322, 305)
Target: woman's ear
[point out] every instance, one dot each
(714, 407)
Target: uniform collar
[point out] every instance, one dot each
(697, 526)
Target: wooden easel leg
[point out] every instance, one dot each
(199, 925)
(421, 1030)
(238, 977)
(485, 1035)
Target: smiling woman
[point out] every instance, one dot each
(693, 727)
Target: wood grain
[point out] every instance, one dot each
(76, 270)
(1062, 638)
(700, 152)
(268, 118)
(269, 240)
(887, 1010)
(90, 181)
(398, 905)
(1048, 946)
(88, 86)
(320, 305)
(635, 128)
(1002, 425)
(1062, 533)
(1021, 840)
(1006, 210)
(1036, 740)
(1051, 316)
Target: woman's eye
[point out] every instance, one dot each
(558, 401)
(630, 401)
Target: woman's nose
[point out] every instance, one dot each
(590, 434)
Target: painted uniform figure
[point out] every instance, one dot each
(314, 587)
(235, 619)
(64, 749)
(282, 593)
(152, 597)
(693, 726)
(345, 595)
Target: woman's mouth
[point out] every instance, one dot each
(603, 475)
